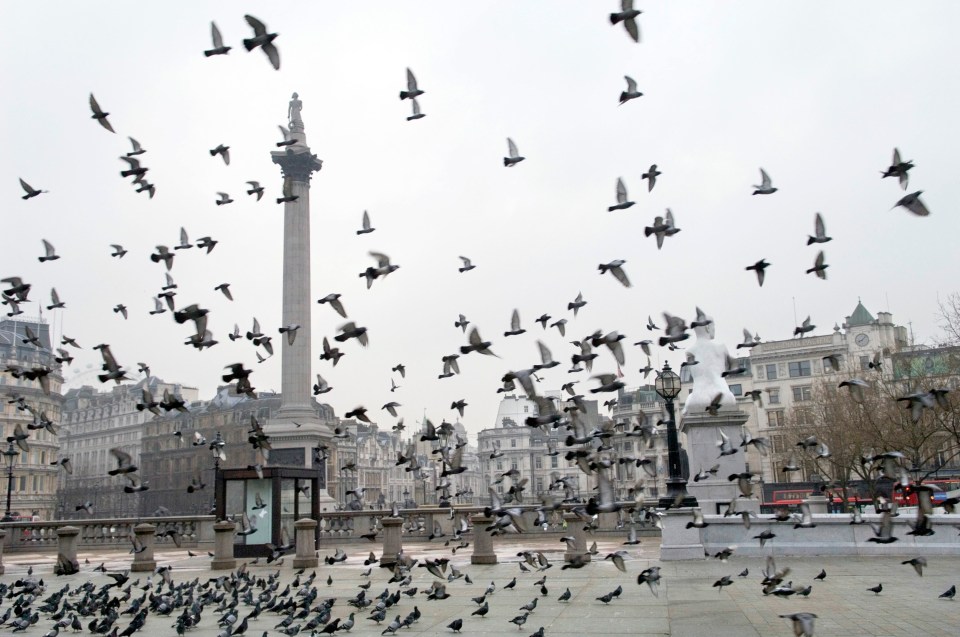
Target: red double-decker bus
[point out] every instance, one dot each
(907, 496)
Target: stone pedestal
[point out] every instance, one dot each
(306, 534)
(3, 538)
(482, 541)
(391, 541)
(702, 432)
(819, 504)
(223, 546)
(67, 537)
(143, 561)
(677, 541)
(575, 529)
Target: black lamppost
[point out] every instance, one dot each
(11, 454)
(667, 386)
(216, 450)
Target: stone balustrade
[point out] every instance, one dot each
(198, 532)
(832, 535)
(106, 533)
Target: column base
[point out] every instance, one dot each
(305, 562)
(582, 557)
(223, 565)
(138, 567)
(483, 559)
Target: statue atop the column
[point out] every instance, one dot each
(293, 112)
(711, 361)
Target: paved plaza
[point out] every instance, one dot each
(688, 605)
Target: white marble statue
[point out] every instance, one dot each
(293, 112)
(711, 361)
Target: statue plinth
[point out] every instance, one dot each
(702, 431)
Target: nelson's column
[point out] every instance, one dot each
(296, 429)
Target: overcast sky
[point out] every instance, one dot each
(819, 98)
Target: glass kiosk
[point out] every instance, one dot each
(272, 502)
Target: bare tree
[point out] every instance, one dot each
(845, 428)
(948, 311)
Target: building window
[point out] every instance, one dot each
(802, 394)
(499, 466)
(773, 395)
(828, 366)
(776, 444)
(526, 409)
(513, 442)
(864, 363)
(736, 390)
(553, 462)
(775, 418)
(513, 465)
(798, 369)
(803, 416)
(772, 371)
(538, 463)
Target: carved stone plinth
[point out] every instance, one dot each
(143, 561)
(702, 431)
(576, 531)
(67, 537)
(306, 540)
(482, 541)
(392, 544)
(223, 558)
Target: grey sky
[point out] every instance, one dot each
(819, 98)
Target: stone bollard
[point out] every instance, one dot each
(223, 546)
(305, 530)
(819, 504)
(143, 561)
(482, 541)
(67, 537)
(575, 529)
(3, 538)
(391, 541)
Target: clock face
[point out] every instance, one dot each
(862, 340)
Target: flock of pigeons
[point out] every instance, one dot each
(586, 446)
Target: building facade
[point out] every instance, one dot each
(26, 402)
(537, 457)
(94, 422)
(785, 372)
(170, 460)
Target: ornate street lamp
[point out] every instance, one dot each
(667, 386)
(11, 454)
(216, 450)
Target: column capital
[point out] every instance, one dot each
(297, 164)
